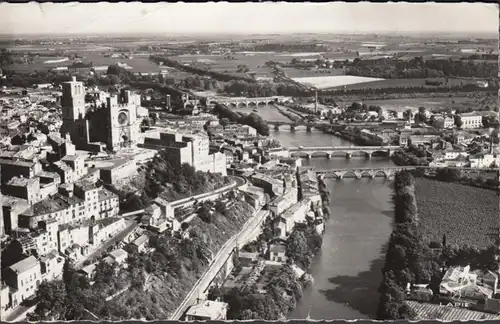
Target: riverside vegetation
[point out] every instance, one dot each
(412, 257)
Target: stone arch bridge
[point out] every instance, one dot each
(389, 172)
(251, 102)
(347, 151)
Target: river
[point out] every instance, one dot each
(347, 271)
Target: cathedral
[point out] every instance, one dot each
(111, 122)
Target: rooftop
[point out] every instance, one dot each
(141, 240)
(21, 181)
(208, 309)
(24, 265)
(278, 248)
(52, 204)
(118, 253)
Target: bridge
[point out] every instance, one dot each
(347, 151)
(304, 125)
(389, 172)
(247, 102)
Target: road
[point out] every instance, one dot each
(19, 313)
(220, 258)
(120, 236)
(238, 182)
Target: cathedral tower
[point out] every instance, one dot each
(73, 112)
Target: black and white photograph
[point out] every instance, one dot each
(249, 161)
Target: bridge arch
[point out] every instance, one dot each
(261, 103)
(271, 102)
(252, 104)
(240, 104)
(380, 173)
(349, 174)
(300, 154)
(379, 153)
(320, 154)
(366, 174)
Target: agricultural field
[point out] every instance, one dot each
(431, 104)
(219, 63)
(399, 83)
(325, 82)
(139, 63)
(465, 214)
(427, 311)
(301, 73)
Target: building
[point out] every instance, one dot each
(471, 120)
(277, 252)
(484, 160)
(119, 256)
(115, 123)
(460, 282)
(271, 186)
(192, 149)
(139, 245)
(281, 203)
(448, 122)
(207, 310)
(23, 278)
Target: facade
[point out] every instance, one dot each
(277, 252)
(471, 120)
(191, 149)
(281, 203)
(484, 160)
(116, 123)
(23, 278)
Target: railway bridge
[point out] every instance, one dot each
(347, 151)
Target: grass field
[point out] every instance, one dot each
(465, 214)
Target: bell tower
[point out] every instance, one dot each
(73, 112)
(73, 100)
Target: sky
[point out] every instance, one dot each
(246, 18)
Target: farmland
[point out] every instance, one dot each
(466, 215)
(427, 311)
(300, 73)
(393, 83)
(325, 82)
(432, 103)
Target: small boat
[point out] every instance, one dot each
(255, 110)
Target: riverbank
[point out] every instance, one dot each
(428, 255)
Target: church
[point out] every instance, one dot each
(111, 122)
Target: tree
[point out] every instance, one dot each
(458, 121)
(298, 250)
(51, 300)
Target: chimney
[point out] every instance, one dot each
(74, 78)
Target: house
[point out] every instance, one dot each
(89, 271)
(23, 278)
(119, 255)
(247, 258)
(139, 245)
(277, 252)
(207, 310)
(460, 282)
